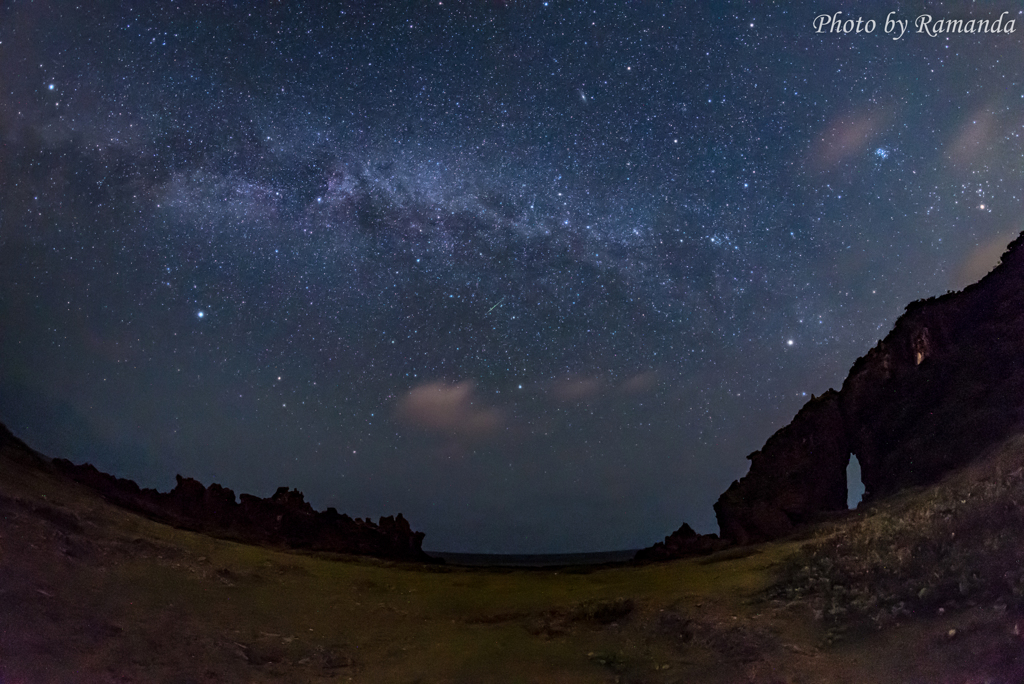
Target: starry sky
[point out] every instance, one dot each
(539, 275)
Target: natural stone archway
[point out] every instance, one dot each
(944, 385)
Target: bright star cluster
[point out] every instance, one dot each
(539, 275)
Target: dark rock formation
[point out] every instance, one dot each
(945, 385)
(285, 519)
(683, 542)
(799, 472)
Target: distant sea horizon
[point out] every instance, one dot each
(534, 560)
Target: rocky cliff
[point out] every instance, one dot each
(285, 519)
(945, 384)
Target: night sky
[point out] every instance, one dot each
(538, 275)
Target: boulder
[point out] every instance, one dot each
(682, 543)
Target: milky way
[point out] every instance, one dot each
(538, 275)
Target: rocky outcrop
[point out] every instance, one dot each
(945, 385)
(799, 472)
(683, 542)
(285, 519)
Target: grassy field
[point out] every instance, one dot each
(91, 593)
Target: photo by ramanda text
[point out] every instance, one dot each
(925, 23)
